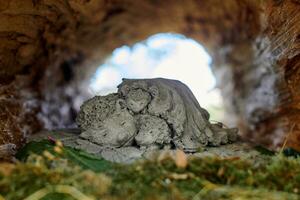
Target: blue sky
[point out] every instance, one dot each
(162, 55)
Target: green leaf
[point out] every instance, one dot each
(291, 152)
(34, 147)
(264, 151)
(79, 157)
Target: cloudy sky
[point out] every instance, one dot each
(162, 55)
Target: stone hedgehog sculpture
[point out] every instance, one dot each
(147, 114)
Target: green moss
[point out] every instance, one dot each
(277, 177)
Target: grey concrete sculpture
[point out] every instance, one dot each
(148, 114)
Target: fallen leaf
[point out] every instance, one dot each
(221, 172)
(180, 159)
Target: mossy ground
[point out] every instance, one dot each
(50, 171)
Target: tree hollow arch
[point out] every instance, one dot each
(48, 49)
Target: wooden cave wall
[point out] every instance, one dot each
(49, 49)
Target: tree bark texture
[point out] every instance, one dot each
(50, 48)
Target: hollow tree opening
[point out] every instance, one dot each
(49, 49)
(163, 55)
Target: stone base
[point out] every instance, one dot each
(69, 137)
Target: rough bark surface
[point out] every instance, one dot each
(49, 48)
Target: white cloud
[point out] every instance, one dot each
(186, 60)
(120, 55)
(105, 81)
